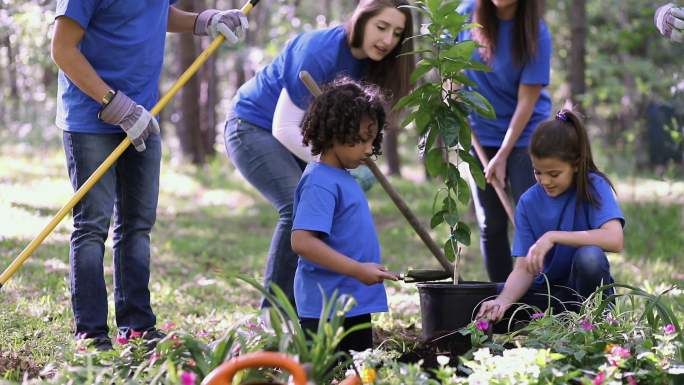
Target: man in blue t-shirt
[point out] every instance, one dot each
(110, 55)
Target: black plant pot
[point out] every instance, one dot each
(446, 307)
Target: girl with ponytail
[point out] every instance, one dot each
(565, 224)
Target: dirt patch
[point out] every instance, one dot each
(19, 364)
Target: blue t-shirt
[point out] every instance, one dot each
(324, 53)
(537, 213)
(124, 42)
(500, 85)
(329, 201)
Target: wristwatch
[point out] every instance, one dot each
(107, 98)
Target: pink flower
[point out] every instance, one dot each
(631, 380)
(598, 380)
(482, 325)
(135, 334)
(619, 351)
(538, 315)
(154, 357)
(168, 326)
(188, 378)
(121, 340)
(587, 325)
(611, 320)
(202, 333)
(82, 349)
(669, 329)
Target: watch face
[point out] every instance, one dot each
(108, 97)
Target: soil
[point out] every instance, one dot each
(16, 363)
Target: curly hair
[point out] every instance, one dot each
(335, 115)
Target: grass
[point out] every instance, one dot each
(211, 223)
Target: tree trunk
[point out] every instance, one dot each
(187, 127)
(390, 148)
(578, 26)
(11, 68)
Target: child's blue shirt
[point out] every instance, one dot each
(500, 85)
(324, 53)
(537, 213)
(329, 201)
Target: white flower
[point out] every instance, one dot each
(442, 360)
(482, 355)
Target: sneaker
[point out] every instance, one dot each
(101, 344)
(153, 336)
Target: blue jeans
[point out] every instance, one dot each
(590, 270)
(275, 172)
(492, 217)
(129, 190)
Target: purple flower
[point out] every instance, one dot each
(619, 351)
(611, 320)
(188, 378)
(632, 381)
(587, 325)
(482, 325)
(538, 315)
(154, 357)
(135, 334)
(669, 329)
(202, 333)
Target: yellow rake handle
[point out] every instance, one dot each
(107, 163)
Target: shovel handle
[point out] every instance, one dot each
(109, 161)
(393, 194)
(500, 192)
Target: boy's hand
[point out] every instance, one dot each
(494, 310)
(537, 253)
(372, 273)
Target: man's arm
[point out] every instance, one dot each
(181, 21)
(67, 56)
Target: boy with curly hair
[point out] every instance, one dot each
(333, 230)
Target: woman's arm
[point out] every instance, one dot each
(308, 245)
(528, 94)
(65, 53)
(517, 284)
(609, 237)
(287, 118)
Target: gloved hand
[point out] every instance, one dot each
(670, 22)
(231, 24)
(136, 121)
(364, 177)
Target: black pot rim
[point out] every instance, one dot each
(465, 285)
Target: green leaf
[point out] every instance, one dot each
(478, 103)
(451, 218)
(463, 191)
(450, 249)
(465, 134)
(437, 219)
(462, 233)
(475, 168)
(423, 67)
(461, 50)
(411, 99)
(422, 118)
(448, 128)
(434, 162)
(408, 119)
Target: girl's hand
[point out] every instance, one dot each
(372, 273)
(494, 310)
(495, 172)
(537, 253)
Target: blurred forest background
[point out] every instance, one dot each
(608, 58)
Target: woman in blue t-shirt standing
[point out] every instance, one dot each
(516, 44)
(564, 224)
(262, 133)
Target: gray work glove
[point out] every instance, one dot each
(670, 22)
(136, 121)
(231, 24)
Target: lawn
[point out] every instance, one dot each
(211, 224)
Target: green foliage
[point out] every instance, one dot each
(439, 114)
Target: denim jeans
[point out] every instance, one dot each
(492, 217)
(590, 269)
(275, 172)
(129, 190)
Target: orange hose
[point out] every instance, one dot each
(223, 375)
